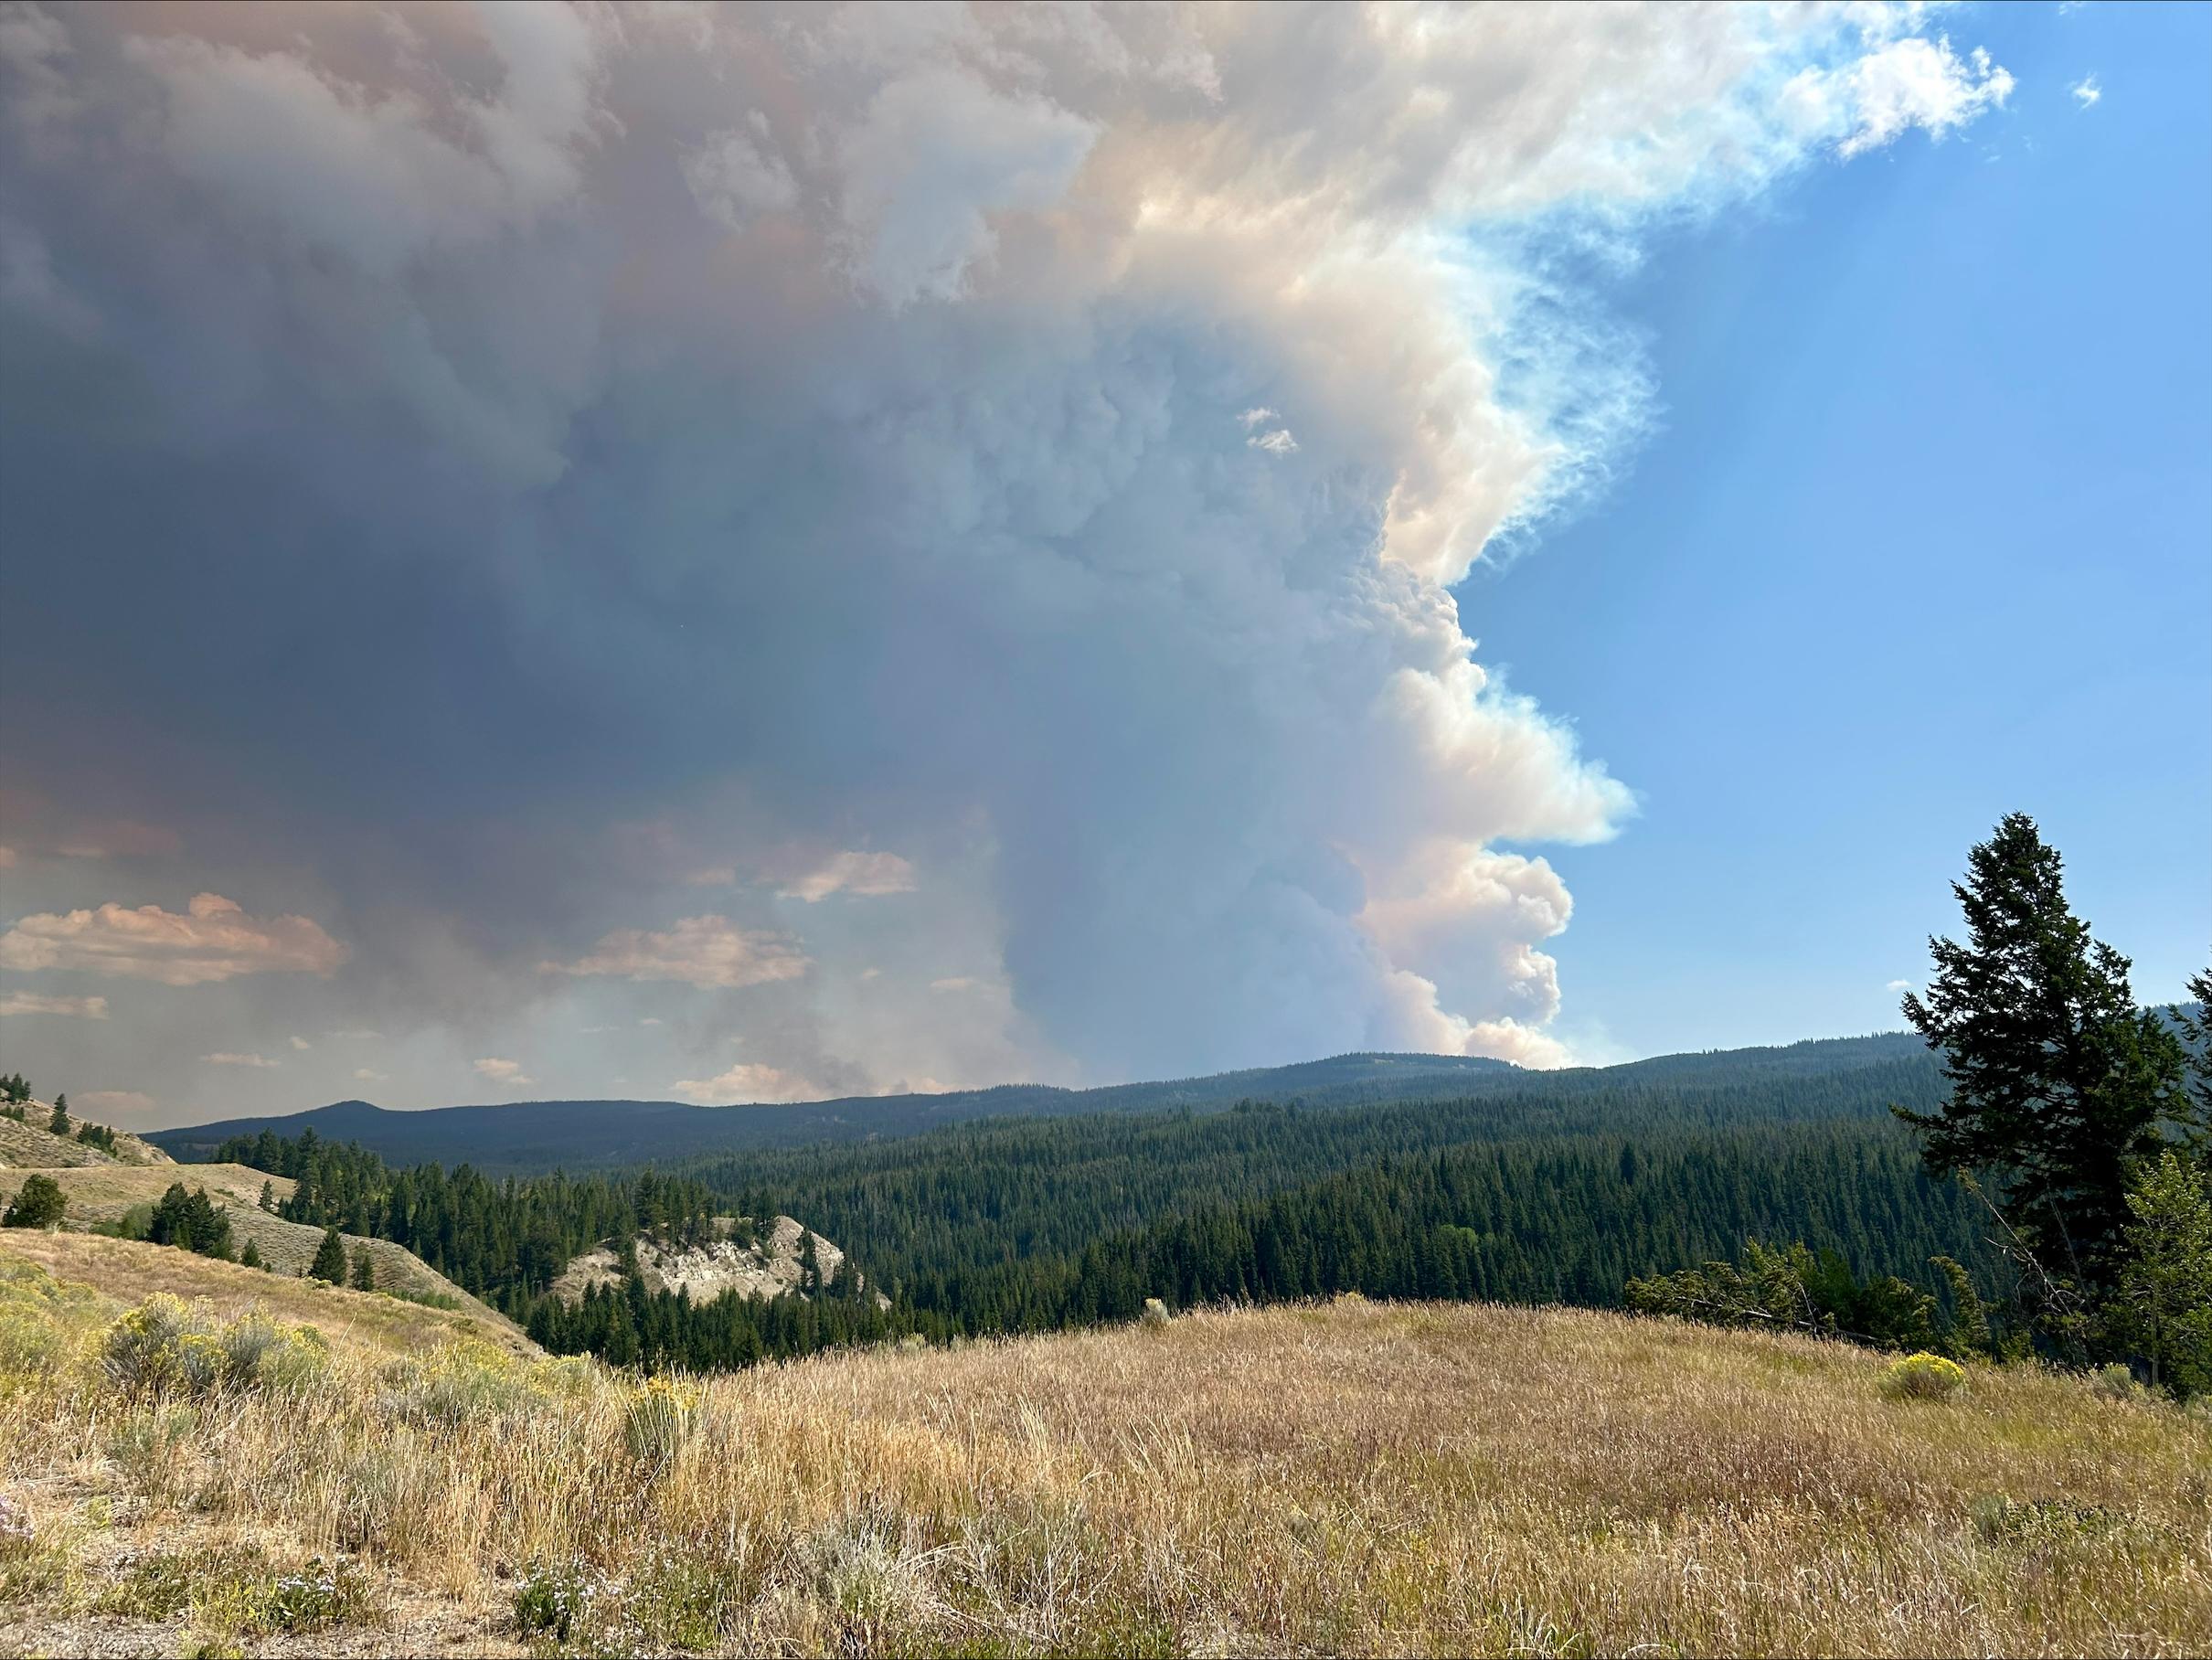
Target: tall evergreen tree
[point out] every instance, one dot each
(2059, 1081)
(2198, 1026)
(365, 1269)
(59, 1123)
(330, 1258)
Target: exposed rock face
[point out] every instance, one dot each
(773, 1267)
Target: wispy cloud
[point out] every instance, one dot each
(2087, 91)
(506, 1073)
(225, 1058)
(856, 873)
(32, 1003)
(703, 951)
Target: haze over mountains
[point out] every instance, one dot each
(526, 1137)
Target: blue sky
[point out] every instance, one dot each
(1924, 536)
(779, 552)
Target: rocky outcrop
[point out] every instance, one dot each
(768, 1263)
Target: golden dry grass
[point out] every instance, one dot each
(104, 1193)
(128, 1270)
(1355, 1478)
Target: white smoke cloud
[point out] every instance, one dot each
(747, 1084)
(858, 426)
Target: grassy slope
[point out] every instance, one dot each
(1357, 1478)
(130, 1271)
(31, 1143)
(104, 1193)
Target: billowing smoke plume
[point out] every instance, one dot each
(918, 541)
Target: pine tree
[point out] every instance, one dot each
(268, 1201)
(365, 1269)
(2162, 1305)
(40, 1204)
(59, 1123)
(2059, 1081)
(2198, 1026)
(330, 1258)
(251, 1256)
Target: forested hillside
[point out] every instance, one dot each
(527, 1138)
(1558, 1191)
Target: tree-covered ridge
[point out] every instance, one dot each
(501, 1240)
(1531, 1218)
(974, 1196)
(1564, 1219)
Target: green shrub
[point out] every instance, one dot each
(2115, 1382)
(1923, 1377)
(38, 1204)
(558, 1600)
(322, 1593)
(455, 1384)
(165, 1344)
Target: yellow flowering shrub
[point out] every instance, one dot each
(1923, 1377)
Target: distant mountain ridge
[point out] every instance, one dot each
(528, 1137)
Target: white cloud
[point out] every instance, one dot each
(32, 1003)
(214, 939)
(858, 873)
(703, 951)
(301, 1044)
(227, 1058)
(1277, 443)
(367, 1075)
(2087, 91)
(746, 1084)
(358, 1034)
(1899, 985)
(650, 1021)
(1899, 85)
(509, 1074)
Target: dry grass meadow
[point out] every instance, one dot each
(1353, 1478)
